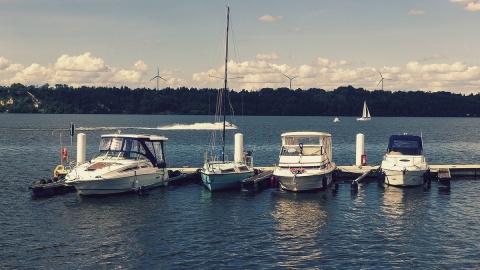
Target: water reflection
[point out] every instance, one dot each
(403, 210)
(300, 219)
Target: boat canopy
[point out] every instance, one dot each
(134, 147)
(305, 138)
(405, 144)
(306, 144)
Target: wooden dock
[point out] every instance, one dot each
(49, 189)
(257, 182)
(444, 173)
(181, 176)
(456, 171)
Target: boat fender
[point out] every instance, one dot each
(273, 181)
(324, 181)
(364, 160)
(64, 154)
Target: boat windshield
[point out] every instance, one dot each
(307, 140)
(406, 146)
(306, 145)
(156, 148)
(126, 148)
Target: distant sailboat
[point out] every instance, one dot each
(365, 113)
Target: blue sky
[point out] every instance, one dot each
(428, 45)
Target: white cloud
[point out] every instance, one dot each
(416, 12)
(458, 77)
(4, 63)
(469, 5)
(83, 62)
(269, 18)
(327, 63)
(270, 56)
(437, 68)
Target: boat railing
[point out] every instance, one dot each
(249, 161)
(402, 159)
(324, 164)
(215, 158)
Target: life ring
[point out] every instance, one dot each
(297, 170)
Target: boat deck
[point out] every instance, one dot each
(456, 170)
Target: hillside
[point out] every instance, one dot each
(343, 101)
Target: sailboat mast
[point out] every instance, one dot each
(224, 94)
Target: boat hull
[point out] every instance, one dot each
(404, 178)
(303, 181)
(363, 119)
(404, 170)
(219, 181)
(118, 184)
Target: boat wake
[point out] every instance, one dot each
(195, 126)
(199, 126)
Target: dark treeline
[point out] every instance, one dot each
(343, 101)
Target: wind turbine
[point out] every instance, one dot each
(381, 80)
(291, 79)
(158, 77)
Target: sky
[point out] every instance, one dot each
(427, 45)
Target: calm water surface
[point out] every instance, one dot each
(189, 227)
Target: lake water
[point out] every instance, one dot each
(188, 227)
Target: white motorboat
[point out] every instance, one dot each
(365, 113)
(125, 162)
(218, 172)
(305, 162)
(404, 164)
(336, 120)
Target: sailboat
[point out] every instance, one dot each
(365, 113)
(218, 173)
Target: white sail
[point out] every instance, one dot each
(365, 113)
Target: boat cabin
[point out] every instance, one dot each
(305, 144)
(137, 147)
(405, 145)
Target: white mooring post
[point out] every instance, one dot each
(81, 148)
(238, 155)
(360, 151)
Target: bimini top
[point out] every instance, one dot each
(305, 134)
(406, 144)
(134, 146)
(137, 136)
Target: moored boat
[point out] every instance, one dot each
(219, 173)
(305, 161)
(125, 163)
(404, 164)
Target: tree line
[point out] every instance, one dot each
(343, 101)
